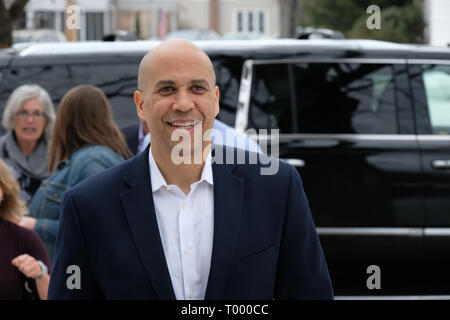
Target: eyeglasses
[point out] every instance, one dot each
(24, 115)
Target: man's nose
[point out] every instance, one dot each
(183, 102)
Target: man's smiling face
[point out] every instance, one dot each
(179, 93)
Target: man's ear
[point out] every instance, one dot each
(139, 101)
(216, 107)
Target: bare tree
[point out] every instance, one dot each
(7, 18)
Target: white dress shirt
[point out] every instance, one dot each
(186, 226)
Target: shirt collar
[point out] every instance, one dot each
(157, 180)
(207, 174)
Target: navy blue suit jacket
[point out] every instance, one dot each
(131, 134)
(265, 244)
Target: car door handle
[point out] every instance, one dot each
(298, 163)
(440, 164)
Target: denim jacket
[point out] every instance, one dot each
(46, 202)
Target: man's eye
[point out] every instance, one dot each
(166, 89)
(198, 88)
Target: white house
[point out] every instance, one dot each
(153, 17)
(259, 17)
(95, 16)
(437, 17)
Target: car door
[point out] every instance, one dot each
(431, 91)
(347, 125)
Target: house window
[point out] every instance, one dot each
(63, 24)
(250, 21)
(44, 20)
(261, 22)
(94, 25)
(239, 17)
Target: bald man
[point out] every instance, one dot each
(178, 222)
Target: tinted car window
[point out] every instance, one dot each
(270, 103)
(324, 98)
(117, 78)
(436, 79)
(118, 82)
(228, 76)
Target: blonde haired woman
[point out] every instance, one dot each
(24, 262)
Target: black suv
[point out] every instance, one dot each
(366, 123)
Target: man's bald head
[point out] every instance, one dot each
(177, 48)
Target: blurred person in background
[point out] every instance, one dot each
(86, 141)
(24, 262)
(135, 136)
(28, 118)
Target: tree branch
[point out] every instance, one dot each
(2, 6)
(17, 8)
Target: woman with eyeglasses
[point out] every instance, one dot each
(28, 118)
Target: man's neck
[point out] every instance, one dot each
(181, 175)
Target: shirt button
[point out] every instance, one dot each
(184, 206)
(190, 295)
(187, 250)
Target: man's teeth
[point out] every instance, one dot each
(183, 124)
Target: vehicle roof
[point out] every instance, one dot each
(229, 46)
(36, 31)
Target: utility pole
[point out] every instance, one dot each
(288, 16)
(70, 17)
(214, 15)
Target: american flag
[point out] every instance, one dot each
(162, 23)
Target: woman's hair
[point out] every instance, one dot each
(11, 206)
(84, 117)
(19, 96)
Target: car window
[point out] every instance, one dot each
(270, 103)
(48, 38)
(228, 75)
(324, 98)
(436, 79)
(19, 39)
(117, 80)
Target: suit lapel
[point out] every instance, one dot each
(228, 197)
(140, 214)
(139, 210)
